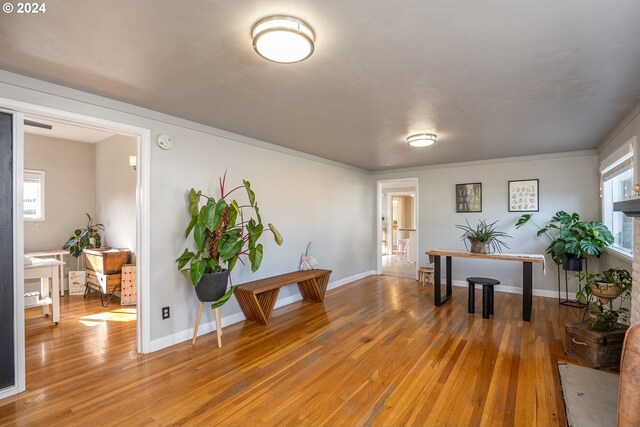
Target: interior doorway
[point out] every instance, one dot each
(139, 237)
(398, 237)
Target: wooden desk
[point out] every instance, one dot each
(527, 273)
(52, 253)
(48, 271)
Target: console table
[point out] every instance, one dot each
(48, 271)
(527, 273)
(52, 253)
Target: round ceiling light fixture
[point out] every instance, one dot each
(283, 39)
(422, 139)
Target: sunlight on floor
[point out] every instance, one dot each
(393, 266)
(119, 315)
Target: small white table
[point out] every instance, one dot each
(55, 253)
(48, 271)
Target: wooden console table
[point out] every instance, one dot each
(527, 273)
(258, 298)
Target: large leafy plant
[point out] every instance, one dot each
(83, 238)
(223, 233)
(568, 235)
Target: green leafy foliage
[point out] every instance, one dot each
(81, 238)
(484, 232)
(222, 235)
(569, 236)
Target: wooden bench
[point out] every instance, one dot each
(258, 298)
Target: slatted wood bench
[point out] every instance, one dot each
(258, 298)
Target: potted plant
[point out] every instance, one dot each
(82, 238)
(222, 233)
(570, 239)
(484, 238)
(606, 286)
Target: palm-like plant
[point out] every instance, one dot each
(484, 233)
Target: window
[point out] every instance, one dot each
(616, 185)
(33, 195)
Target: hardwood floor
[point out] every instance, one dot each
(376, 353)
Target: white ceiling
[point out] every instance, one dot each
(68, 131)
(493, 79)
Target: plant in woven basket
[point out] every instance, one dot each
(484, 237)
(607, 286)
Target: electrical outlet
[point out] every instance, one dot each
(165, 313)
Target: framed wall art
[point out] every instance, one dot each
(524, 196)
(469, 197)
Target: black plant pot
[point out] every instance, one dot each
(573, 264)
(212, 286)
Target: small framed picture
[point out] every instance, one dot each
(524, 196)
(469, 197)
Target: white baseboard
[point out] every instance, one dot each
(228, 320)
(517, 290)
(8, 392)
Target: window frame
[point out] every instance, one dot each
(40, 175)
(625, 154)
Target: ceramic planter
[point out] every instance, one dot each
(212, 286)
(479, 247)
(573, 263)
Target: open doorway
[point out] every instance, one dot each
(139, 323)
(79, 225)
(397, 243)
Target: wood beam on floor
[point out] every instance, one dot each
(377, 352)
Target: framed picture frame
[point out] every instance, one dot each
(469, 197)
(524, 195)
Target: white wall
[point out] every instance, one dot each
(115, 191)
(69, 186)
(69, 182)
(307, 198)
(567, 182)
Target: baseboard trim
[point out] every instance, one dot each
(205, 328)
(8, 392)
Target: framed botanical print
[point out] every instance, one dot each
(524, 196)
(469, 197)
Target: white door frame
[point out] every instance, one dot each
(379, 208)
(143, 226)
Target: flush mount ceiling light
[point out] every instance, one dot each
(283, 39)
(421, 139)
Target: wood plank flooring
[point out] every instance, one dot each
(376, 353)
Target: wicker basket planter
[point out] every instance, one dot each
(605, 291)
